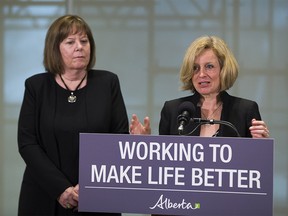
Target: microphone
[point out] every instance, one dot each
(185, 111)
(212, 121)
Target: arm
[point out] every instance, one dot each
(40, 167)
(119, 113)
(165, 120)
(257, 127)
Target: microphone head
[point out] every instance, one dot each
(185, 112)
(188, 107)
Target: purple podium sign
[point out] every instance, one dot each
(176, 175)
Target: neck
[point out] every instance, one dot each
(74, 75)
(72, 85)
(210, 102)
(211, 107)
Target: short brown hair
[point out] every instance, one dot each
(228, 64)
(57, 32)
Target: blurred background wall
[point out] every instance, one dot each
(144, 41)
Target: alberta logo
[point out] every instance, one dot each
(166, 203)
(197, 205)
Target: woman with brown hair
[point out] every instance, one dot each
(69, 98)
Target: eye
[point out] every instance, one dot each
(196, 68)
(209, 66)
(70, 42)
(84, 41)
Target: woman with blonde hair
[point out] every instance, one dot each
(208, 70)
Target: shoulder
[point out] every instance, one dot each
(179, 100)
(39, 80)
(172, 105)
(176, 102)
(38, 77)
(103, 79)
(101, 74)
(238, 101)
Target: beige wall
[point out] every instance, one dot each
(144, 41)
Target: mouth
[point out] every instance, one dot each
(204, 83)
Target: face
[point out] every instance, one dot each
(75, 51)
(206, 78)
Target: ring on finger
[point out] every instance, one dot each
(68, 206)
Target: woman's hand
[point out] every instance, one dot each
(259, 129)
(69, 198)
(136, 127)
(76, 190)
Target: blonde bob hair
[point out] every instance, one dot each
(228, 64)
(57, 32)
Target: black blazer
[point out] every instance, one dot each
(237, 111)
(43, 179)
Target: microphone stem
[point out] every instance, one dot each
(211, 121)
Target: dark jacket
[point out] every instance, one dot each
(237, 111)
(43, 180)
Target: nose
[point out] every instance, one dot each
(202, 71)
(78, 46)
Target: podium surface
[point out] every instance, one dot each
(176, 175)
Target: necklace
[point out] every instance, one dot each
(212, 114)
(72, 98)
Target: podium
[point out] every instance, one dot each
(176, 175)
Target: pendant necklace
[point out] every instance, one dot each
(211, 115)
(72, 98)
